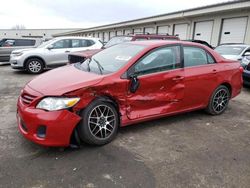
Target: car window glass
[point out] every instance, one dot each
(76, 43)
(8, 43)
(24, 42)
(90, 42)
(167, 58)
(194, 56)
(61, 44)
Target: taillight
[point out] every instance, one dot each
(241, 69)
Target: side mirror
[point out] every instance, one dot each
(247, 54)
(50, 47)
(134, 83)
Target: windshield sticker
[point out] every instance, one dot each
(123, 58)
(237, 48)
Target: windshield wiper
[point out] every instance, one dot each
(99, 65)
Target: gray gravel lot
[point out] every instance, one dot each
(188, 150)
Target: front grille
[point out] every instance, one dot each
(75, 58)
(248, 67)
(27, 98)
(245, 78)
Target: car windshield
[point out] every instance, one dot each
(229, 50)
(117, 40)
(45, 43)
(111, 59)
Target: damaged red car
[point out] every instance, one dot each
(125, 84)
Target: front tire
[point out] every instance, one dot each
(99, 123)
(34, 66)
(219, 101)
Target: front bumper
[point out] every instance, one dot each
(58, 125)
(17, 62)
(246, 77)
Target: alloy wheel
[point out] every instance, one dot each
(35, 66)
(102, 121)
(220, 100)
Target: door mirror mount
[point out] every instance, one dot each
(134, 83)
(50, 47)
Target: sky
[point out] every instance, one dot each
(39, 14)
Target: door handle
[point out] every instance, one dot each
(67, 51)
(178, 78)
(214, 71)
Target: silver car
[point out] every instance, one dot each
(51, 54)
(7, 45)
(234, 51)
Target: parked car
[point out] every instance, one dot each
(233, 51)
(201, 42)
(125, 84)
(7, 45)
(81, 56)
(50, 54)
(246, 73)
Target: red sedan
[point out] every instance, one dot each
(125, 84)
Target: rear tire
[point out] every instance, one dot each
(219, 101)
(34, 66)
(99, 123)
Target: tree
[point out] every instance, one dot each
(18, 26)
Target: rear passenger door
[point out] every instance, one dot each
(200, 76)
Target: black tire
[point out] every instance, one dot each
(219, 101)
(34, 66)
(95, 127)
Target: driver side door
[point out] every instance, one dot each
(160, 77)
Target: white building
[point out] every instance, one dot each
(227, 22)
(36, 33)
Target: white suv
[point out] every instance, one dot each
(51, 54)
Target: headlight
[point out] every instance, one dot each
(17, 54)
(57, 103)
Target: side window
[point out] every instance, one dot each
(25, 42)
(194, 56)
(8, 43)
(76, 43)
(62, 44)
(90, 42)
(162, 59)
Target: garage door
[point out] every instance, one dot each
(138, 30)
(118, 33)
(112, 34)
(163, 29)
(233, 30)
(180, 30)
(106, 37)
(203, 31)
(127, 31)
(149, 30)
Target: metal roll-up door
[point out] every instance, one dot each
(181, 30)
(233, 30)
(203, 31)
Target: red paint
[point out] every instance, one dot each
(160, 94)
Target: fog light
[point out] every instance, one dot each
(41, 131)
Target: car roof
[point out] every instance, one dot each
(155, 43)
(76, 37)
(235, 45)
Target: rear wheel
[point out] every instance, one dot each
(219, 101)
(99, 123)
(34, 66)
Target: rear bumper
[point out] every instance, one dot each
(246, 77)
(57, 125)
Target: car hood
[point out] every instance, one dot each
(87, 53)
(231, 57)
(22, 50)
(63, 80)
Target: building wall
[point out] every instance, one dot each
(39, 33)
(189, 18)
